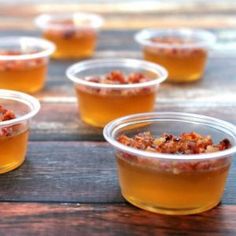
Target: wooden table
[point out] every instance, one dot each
(68, 184)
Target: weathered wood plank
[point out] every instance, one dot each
(63, 172)
(89, 219)
(121, 42)
(67, 172)
(60, 121)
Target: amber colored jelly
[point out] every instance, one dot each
(12, 151)
(98, 109)
(24, 76)
(72, 44)
(171, 192)
(183, 65)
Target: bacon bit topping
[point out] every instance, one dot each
(173, 49)
(70, 22)
(65, 22)
(68, 34)
(186, 143)
(4, 116)
(17, 53)
(70, 28)
(9, 65)
(170, 40)
(117, 77)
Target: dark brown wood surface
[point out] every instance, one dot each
(69, 172)
(68, 184)
(109, 219)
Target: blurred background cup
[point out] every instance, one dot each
(24, 63)
(75, 34)
(183, 52)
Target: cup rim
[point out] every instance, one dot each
(47, 47)
(24, 98)
(42, 21)
(111, 128)
(207, 38)
(122, 62)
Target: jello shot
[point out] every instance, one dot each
(16, 110)
(183, 52)
(24, 63)
(110, 88)
(172, 163)
(74, 35)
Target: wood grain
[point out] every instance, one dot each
(121, 42)
(64, 172)
(68, 185)
(73, 172)
(120, 219)
(60, 121)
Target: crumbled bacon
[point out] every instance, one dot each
(174, 49)
(186, 143)
(17, 53)
(117, 77)
(141, 141)
(169, 40)
(69, 33)
(4, 116)
(11, 65)
(69, 29)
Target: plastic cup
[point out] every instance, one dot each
(24, 63)
(75, 35)
(100, 103)
(173, 184)
(183, 52)
(14, 132)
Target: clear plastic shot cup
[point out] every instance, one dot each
(16, 111)
(183, 52)
(75, 35)
(99, 102)
(24, 63)
(174, 184)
